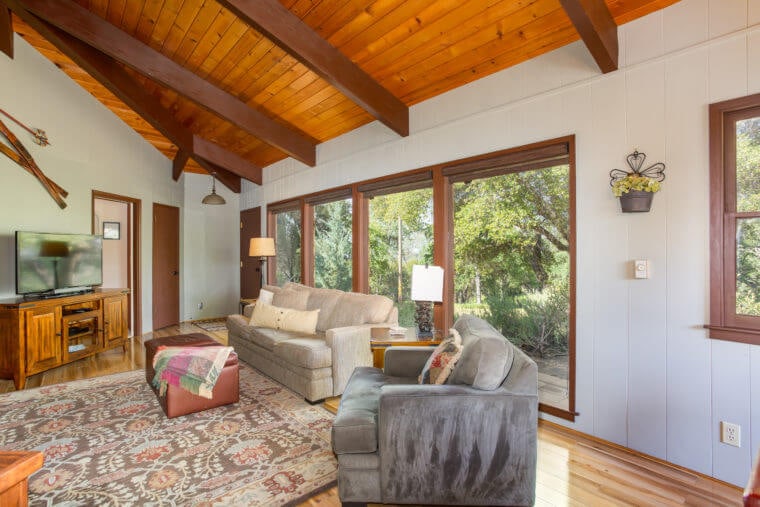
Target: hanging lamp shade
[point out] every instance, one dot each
(213, 197)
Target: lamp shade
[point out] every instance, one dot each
(261, 247)
(427, 283)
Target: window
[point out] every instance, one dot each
(287, 225)
(400, 235)
(513, 253)
(735, 220)
(501, 225)
(333, 245)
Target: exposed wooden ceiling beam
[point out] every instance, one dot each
(287, 30)
(229, 180)
(121, 84)
(178, 164)
(6, 31)
(95, 31)
(597, 28)
(219, 156)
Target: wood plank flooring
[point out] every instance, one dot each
(573, 469)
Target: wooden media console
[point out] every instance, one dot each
(39, 334)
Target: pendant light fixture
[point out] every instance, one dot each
(213, 197)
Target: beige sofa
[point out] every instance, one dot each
(316, 366)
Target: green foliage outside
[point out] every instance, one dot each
(511, 241)
(332, 245)
(748, 229)
(288, 243)
(400, 235)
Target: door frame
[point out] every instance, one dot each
(134, 271)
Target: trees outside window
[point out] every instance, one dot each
(332, 245)
(735, 220)
(288, 246)
(400, 235)
(501, 225)
(512, 265)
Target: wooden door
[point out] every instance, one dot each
(115, 320)
(44, 343)
(250, 267)
(165, 265)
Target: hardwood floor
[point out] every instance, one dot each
(573, 469)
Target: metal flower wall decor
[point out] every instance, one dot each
(636, 187)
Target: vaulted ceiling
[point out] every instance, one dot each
(231, 86)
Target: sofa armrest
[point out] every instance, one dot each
(482, 445)
(406, 361)
(350, 349)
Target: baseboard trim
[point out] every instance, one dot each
(580, 436)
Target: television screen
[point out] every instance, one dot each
(45, 262)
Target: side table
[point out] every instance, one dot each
(410, 339)
(245, 302)
(15, 469)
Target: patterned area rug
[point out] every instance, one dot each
(107, 442)
(216, 326)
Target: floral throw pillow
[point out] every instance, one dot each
(442, 361)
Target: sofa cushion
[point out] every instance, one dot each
(290, 298)
(267, 338)
(354, 309)
(486, 355)
(354, 429)
(308, 353)
(327, 301)
(287, 319)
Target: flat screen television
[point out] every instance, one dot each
(51, 263)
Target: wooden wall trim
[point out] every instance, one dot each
(135, 276)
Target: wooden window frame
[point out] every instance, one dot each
(441, 177)
(725, 323)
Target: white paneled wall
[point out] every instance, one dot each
(210, 250)
(647, 375)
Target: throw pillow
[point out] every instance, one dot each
(441, 362)
(265, 296)
(286, 319)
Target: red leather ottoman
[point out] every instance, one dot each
(178, 401)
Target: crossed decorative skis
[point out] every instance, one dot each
(23, 158)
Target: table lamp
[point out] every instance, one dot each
(427, 286)
(262, 248)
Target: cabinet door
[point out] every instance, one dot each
(115, 320)
(44, 343)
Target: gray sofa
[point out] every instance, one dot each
(471, 441)
(316, 366)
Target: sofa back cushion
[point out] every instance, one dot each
(486, 355)
(355, 309)
(336, 307)
(288, 297)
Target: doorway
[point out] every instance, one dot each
(120, 215)
(165, 265)
(250, 267)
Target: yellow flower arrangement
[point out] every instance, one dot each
(635, 182)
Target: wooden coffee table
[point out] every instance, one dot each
(410, 339)
(15, 469)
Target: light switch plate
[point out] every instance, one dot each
(641, 269)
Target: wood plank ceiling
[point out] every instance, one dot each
(231, 86)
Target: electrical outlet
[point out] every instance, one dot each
(731, 434)
(200, 305)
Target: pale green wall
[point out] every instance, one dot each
(93, 149)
